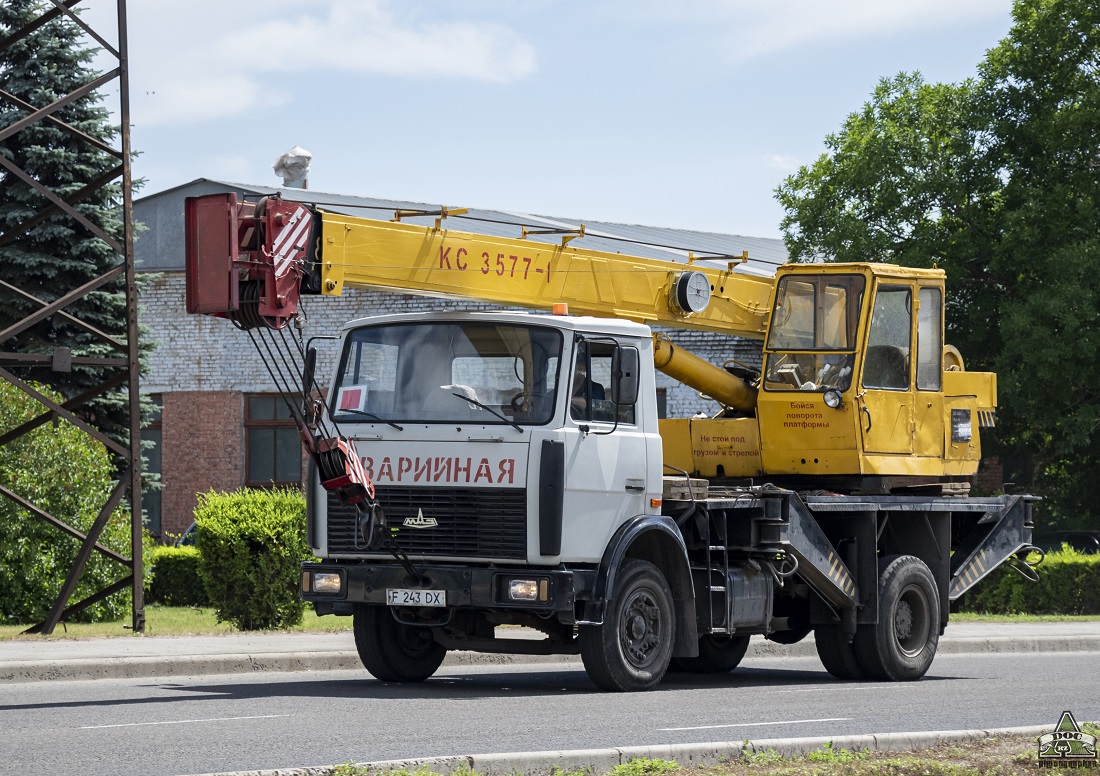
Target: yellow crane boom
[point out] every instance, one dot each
(433, 260)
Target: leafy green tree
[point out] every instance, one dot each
(997, 181)
(908, 180)
(1043, 92)
(68, 474)
(58, 254)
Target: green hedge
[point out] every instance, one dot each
(176, 580)
(1069, 583)
(251, 544)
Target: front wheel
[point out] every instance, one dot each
(632, 648)
(901, 646)
(392, 651)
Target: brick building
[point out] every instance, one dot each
(220, 423)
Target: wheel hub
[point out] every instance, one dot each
(641, 629)
(912, 623)
(903, 620)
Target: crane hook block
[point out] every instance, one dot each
(246, 260)
(342, 471)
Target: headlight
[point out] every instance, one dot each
(523, 589)
(326, 582)
(832, 398)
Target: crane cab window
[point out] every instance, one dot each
(811, 339)
(886, 362)
(930, 340)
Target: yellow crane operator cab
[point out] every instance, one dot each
(854, 378)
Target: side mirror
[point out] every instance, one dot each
(625, 363)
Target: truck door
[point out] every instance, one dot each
(886, 398)
(605, 455)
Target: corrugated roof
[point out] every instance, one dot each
(645, 241)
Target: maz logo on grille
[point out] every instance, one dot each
(420, 521)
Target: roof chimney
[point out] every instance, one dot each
(293, 167)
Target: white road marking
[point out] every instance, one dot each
(874, 687)
(756, 724)
(180, 722)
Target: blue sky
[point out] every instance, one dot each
(680, 114)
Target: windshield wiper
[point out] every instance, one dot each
(374, 417)
(487, 408)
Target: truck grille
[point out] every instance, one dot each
(472, 522)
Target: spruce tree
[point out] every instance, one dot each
(59, 254)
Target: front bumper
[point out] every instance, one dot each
(466, 588)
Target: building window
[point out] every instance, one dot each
(662, 402)
(273, 449)
(151, 438)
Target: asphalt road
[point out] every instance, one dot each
(208, 724)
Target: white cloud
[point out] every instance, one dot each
(752, 28)
(202, 99)
(782, 162)
(206, 59)
(364, 37)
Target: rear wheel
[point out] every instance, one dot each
(901, 646)
(718, 654)
(392, 651)
(837, 654)
(631, 649)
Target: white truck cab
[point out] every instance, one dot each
(460, 416)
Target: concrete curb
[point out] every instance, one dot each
(192, 665)
(145, 667)
(603, 760)
(1008, 644)
(174, 665)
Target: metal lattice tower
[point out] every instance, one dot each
(120, 370)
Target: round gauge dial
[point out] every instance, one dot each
(692, 292)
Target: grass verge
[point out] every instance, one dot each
(975, 617)
(172, 621)
(1008, 756)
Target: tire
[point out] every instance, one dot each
(837, 654)
(632, 649)
(392, 651)
(718, 654)
(901, 646)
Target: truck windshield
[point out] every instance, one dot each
(446, 372)
(811, 340)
